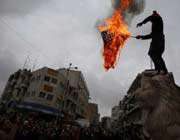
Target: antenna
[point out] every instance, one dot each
(35, 63)
(27, 60)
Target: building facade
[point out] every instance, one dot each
(61, 91)
(106, 122)
(93, 114)
(115, 113)
(43, 91)
(16, 86)
(76, 95)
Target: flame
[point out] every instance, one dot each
(117, 33)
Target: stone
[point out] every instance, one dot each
(151, 108)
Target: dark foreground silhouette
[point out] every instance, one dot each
(157, 46)
(13, 126)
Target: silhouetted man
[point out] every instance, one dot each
(158, 41)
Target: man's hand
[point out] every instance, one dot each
(138, 37)
(139, 24)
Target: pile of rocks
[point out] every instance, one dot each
(150, 110)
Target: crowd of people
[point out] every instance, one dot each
(15, 126)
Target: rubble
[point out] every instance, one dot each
(150, 110)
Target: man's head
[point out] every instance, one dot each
(155, 12)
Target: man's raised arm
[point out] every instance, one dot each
(148, 19)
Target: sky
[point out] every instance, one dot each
(54, 33)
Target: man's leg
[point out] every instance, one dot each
(162, 65)
(159, 63)
(155, 61)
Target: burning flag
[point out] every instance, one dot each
(115, 31)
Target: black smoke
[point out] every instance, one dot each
(135, 8)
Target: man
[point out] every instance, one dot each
(158, 41)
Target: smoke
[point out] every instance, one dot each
(135, 8)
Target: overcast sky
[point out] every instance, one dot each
(57, 32)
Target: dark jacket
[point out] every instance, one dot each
(157, 34)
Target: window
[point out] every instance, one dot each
(48, 88)
(52, 72)
(61, 84)
(50, 97)
(27, 94)
(47, 78)
(42, 94)
(38, 77)
(75, 95)
(54, 81)
(23, 78)
(17, 94)
(33, 93)
(32, 79)
(23, 94)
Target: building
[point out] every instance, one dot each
(92, 114)
(43, 91)
(61, 91)
(16, 86)
(106, 122)
(76, 95)
(115, 113)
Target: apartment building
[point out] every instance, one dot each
(16, 86)
(76, 95)
(93, 114)
(49, 90)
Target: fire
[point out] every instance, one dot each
(115, 33)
